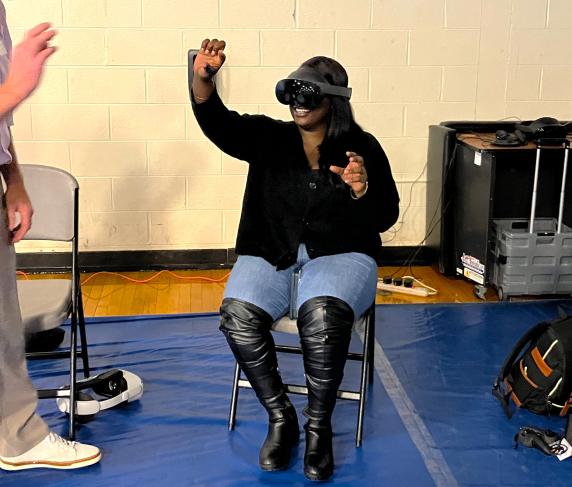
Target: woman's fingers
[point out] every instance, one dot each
(350, 175)
(356, 168)
(355, 178)
(353, 157)
(212, 46)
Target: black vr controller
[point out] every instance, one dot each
(547, 441)
(508, 139)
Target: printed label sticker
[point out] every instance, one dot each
(473, 263)
(473, 276)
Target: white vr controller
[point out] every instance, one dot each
(111, 389)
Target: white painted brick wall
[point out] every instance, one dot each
(201, 228)
(101, 13)
(147, 122)
(108, 158)
(106, 85)
(113, 106)
(324, 14)
(180, 13)
(287, 47)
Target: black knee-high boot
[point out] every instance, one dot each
(247, 330)
(325, 326)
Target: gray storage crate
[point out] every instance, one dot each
(534, 256)
(531, 263)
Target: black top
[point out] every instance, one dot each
(286, 203)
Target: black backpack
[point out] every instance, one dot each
(540, 377)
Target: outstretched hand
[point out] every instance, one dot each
(27, 63)
(209, 59)
(354, 174)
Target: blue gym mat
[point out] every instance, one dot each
(430, 416)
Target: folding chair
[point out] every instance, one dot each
(46, 303)
(287, 324)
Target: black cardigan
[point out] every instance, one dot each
(286, 203)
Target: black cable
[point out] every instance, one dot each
(409, 261)
(409, 203)
(411, 257)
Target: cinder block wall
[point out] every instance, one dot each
(113, 107)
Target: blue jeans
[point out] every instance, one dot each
(351, 277)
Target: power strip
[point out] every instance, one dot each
(415, 291)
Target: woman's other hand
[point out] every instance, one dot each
(354, 174)
(209, 59)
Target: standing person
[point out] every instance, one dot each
(318, 193)
(25, 441)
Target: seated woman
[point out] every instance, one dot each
(318, 193)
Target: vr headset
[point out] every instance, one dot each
(110, 389)
(307, 88)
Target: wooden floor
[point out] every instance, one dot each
(138, 293)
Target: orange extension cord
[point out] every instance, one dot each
(139, 281)
(149, 279)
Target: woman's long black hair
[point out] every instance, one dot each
(342, 128)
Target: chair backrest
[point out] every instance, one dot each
(53, 194)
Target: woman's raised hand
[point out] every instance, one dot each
(209, 59)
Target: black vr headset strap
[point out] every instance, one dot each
(335, 90)
(509, 362)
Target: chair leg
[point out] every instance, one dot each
(365, 374)
(83, 338)
(234, 398)
(73, 369)
(371, 344)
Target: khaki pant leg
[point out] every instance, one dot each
(20, 427)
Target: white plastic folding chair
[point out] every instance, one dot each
(48, 303)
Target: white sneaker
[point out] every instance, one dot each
(53, 452)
